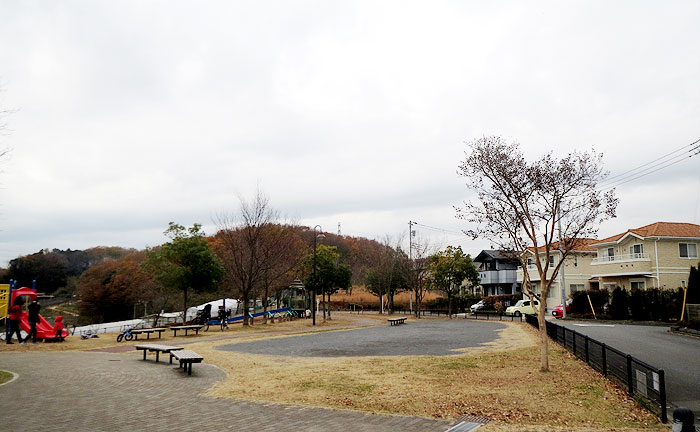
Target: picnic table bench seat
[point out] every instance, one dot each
(137, 332)
(157, 348)
(397, 321)
(186, 358)
(186, 328)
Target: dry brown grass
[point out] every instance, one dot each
(500, 381)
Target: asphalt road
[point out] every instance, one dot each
(416, 337)
(677, 355)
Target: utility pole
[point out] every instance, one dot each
(562, 277)
(410, 260)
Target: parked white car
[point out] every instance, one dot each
(522, 307)
(477, 306)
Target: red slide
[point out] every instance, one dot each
(44, 330)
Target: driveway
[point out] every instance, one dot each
(677, 355)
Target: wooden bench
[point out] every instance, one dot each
(397, 321)
(157, 349)
(186, 358)
(148, 332)
(186, 328)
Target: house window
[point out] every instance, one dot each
(530, 262)
(575, 261)
(637, 285)
(576, 287)
(551, 260)
(609, 286)
(637, 250)
(688, 250)
(609, 254)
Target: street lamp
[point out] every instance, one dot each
(313, 286)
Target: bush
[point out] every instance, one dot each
(580, 304)
(619, 305)
(505, 300)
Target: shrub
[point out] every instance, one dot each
(619, 305)
(505, 300)
(580, 304)
(499, 307)
(459, 303)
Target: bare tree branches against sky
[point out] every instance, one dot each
(131, 114)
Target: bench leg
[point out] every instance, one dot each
(189, 370)
(148, 336)
(157, 356)
(144, 354)
(171, 358)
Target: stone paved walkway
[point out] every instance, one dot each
(89, 391)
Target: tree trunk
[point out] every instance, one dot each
(184, 315)
(449, 304)
(267, 290)
(391, 303)
(544, 339)
(246, 300)
(329, 306)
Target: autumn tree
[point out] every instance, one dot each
(330, 274)
(448, 270)
(521, 204)
(108, 291)
(185, 263)
(255, 248)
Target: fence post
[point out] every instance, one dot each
(605, 361)
(573, 339)
(630, 385)
(586, 349)
(662, 396)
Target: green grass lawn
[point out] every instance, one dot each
(5, 377)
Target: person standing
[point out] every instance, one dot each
(14, 317)
(33, 318)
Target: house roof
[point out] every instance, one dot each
(658, 229)
(583, 245)
(495, 254)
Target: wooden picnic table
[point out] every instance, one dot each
(157, 348)
(137, 332)
(186, 328)
(397, 321)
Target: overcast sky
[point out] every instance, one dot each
(131, 114)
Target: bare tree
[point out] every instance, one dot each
(418, 273)
(255, 248)
(522, 204)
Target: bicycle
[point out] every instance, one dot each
(223, 318)
(125, 335)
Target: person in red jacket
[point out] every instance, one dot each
(58, 326)
(14, 316)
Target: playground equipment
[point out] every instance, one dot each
(44, 330)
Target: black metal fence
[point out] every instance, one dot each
(642, 381)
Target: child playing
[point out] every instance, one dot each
(58, 326)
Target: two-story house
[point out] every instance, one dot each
(655, 255)
(497, 273)
(576, 273)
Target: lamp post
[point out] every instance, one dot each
(313, 286)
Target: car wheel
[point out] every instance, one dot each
(517, 313)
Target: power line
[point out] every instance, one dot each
(610, 179)
(438, 229)
(694, 151)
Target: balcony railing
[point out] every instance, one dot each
(625, 257)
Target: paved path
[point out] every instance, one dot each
(678, 356)
(417, 337)
(88, 391)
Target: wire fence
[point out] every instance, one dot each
(645, 383)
